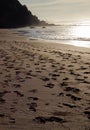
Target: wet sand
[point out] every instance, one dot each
(43, 85)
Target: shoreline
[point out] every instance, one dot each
(43, 85)
(16, 35)
(79, 41)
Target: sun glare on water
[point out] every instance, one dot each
(82, 32)
(81, 44)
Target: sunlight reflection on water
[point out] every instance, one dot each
(81, 31)
(82, 34)
(78, 35)
(81, 43)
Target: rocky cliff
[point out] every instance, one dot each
(13, 14)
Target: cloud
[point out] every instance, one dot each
(60, 2)
(56, 10)
(42, 4)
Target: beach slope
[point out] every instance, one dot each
(43, 85)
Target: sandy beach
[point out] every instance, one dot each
(43, 86)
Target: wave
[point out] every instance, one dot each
(58, 33)
(73, 39)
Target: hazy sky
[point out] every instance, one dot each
(60, 11)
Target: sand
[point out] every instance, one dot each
(43, 86)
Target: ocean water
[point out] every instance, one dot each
(77, 35)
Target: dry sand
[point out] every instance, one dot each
(43, 86)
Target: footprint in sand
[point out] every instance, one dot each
(19, 93)
(2, 115)
(60, 94)
(71, 89)
(12, 120)
(69, 105)
(16, 85)
(32, 106)
(33, 98)
(87, 113)
(49, 85)
(1, 96)
(33, 91)
(87, 72)
(45, 79)
(63, 84)
(43, 120)
(13, 109)
(47, 104)
(73, 97)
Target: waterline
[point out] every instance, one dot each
(73, 35)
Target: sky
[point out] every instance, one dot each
(60, 11)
